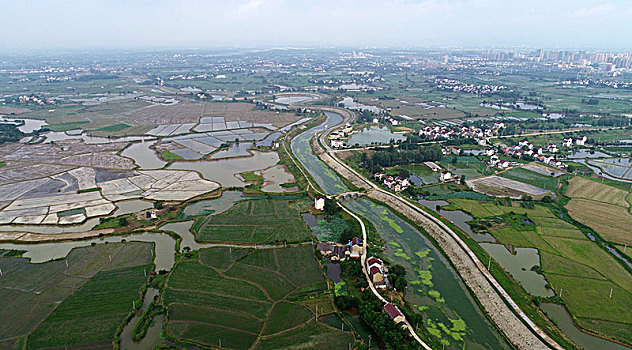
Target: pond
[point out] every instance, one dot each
(288, 100)
(565, 323)
(326, 178)
(458, 218)
(237, 149)
(143, 156)
(434, 289)
(584, 153)
(349, 103)
(275, 176)
(225, 170)
(519, 266)
(29, 126)
(374, 135)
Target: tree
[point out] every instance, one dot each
(462, 179)
(122, 221)
(158, 205)
(331, 207)
(403, 173)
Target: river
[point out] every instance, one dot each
(325, 177)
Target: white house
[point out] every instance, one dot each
(445, 176)
(568, 142)
(581, 141)
(319, 203)
(337, 143)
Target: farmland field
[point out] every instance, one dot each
(503, 187)
(55, 305)
(255, 221)
(570, 262)
(532, 178)
(604, 208)
(242, 297)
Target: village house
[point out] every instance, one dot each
(377, 272)
(581, 141)
(395, 314)
(568, 142)
(319, 203)
(446, 176)
(337, 144)
(396, 184)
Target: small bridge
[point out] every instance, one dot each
(347, 195)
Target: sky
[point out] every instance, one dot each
(147, 24)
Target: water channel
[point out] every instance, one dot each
(434, 288)
(325, 177)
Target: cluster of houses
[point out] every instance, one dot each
(377, 272)
(337, 137)
(394, 183)
(341, 252)
(457, 86)
(442, 132)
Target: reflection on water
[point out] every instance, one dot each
(132, 206)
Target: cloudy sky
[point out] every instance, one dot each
(44, 24)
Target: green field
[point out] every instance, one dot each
(241, 297)
(255, 221)
(570, 261)
(468, 166)
(55, 305)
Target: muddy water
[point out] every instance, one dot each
(213, 206)
(275, 176)
(38, 253)
(132, 206)
(519, 266)
(224, 171)
(143, 156)
(434, 288)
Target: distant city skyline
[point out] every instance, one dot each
(159, 24)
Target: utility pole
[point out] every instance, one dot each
(610, 293)
(489, 264)
(369, 341)
(561, 290)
